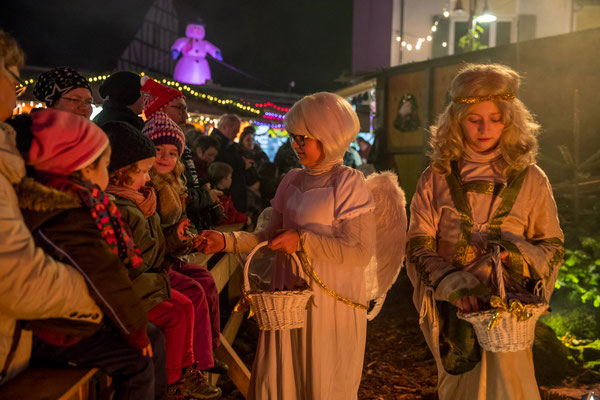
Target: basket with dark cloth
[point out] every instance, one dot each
(509, 325)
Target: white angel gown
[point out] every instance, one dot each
(323, 360)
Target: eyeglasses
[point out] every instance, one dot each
(21, 86)
(181, 108)
(299, 139)
(85, 103)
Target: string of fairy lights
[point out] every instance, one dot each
(425, 38)
(258, 109)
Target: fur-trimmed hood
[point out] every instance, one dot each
(40, 202)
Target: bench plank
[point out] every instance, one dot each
(49, 384)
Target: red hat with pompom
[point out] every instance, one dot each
(156, 96)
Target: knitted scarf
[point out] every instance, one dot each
(106, 216)
(144, 198)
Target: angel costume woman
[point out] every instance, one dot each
(324, 211)
(482, 189)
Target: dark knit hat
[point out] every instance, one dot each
(128, 144)
(123, 87)
(53, 84)
(163, 130)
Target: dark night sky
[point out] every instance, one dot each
(309, 42)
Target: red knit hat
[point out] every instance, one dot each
(163, 130)
(156, 96)
(64, 142)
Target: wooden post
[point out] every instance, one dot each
(239, 374)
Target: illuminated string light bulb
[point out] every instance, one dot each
(434, 28)
(403, 43)
(446, 13)
(429, 38)
(444, 44)
(398, 38)
(409, 47)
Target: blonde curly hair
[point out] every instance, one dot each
(518, 141)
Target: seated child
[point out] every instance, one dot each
(219, 174)
(73, 220)
(172, 311)
(167, 179)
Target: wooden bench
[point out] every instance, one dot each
(54, 384)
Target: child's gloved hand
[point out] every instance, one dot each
(182, 227)
(286, 241)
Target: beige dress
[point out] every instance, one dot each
(453, 221)
(324, 359)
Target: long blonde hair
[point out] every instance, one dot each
(518, 141)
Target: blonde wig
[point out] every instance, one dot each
(328, 118)
(485, 82)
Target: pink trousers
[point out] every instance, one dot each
(175, 318)
(203, 276)
(202, 337)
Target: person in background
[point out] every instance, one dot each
(482, 190)
(286, 158)
(204, 151)
(219, 175)
(232, 154)
(123, 100)
(33, 285)
(65, 89)
(364, 149)
(247, 141)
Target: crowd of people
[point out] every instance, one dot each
(99, 216)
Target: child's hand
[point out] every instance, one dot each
(468, 304)
(210, 242)
(147, 351)
(214, 195)
(182, 227)
(286, 241)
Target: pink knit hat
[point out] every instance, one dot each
(156, 96)
(163, 130)
(64, 142)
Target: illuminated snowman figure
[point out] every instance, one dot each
(192, 67)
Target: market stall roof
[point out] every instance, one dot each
(358, 88)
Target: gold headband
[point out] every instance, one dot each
(479, 99)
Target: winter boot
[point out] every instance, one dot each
(195, 385)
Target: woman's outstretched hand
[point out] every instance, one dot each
(209, 242)
(467, 304)
(286, 241)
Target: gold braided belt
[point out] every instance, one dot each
(308, 270)
(479, 99)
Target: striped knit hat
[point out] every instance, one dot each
(163, 130)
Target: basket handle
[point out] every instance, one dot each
(249, 258)
(497, 266)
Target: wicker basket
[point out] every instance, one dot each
(508, 334)
(276, 310)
